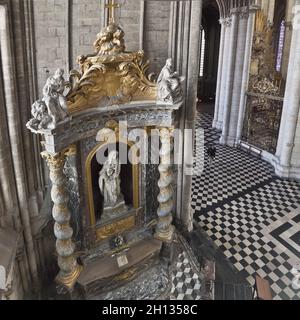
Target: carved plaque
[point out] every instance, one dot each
(115, 228)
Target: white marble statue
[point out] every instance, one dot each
(109, 183)
(53, 107)
(41, 118)
(169, 84)
(53, 95)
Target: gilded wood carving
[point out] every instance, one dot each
(110, 75)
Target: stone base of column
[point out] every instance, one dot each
(165, 235)
(223, 140)
(68, 281)
(228, 141)
(231, 142)
(217, 125)
(286, 172)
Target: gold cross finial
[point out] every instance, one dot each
(111, 6)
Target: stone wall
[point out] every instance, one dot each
(156, 33)
(65, 29)
(50, 21)
(130, 17)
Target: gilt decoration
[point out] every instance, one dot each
(110, 75)
(264, 96)
(263, 76)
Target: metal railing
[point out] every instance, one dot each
(262, 121)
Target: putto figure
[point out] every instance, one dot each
(53, 96)
(110, 40)
(109, 184)
(41, 118)
(169, 84)
(53, 107)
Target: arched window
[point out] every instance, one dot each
(202, 60)
(280, 46)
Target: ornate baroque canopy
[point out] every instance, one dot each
(110, 75)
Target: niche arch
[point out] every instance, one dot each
(130, 176)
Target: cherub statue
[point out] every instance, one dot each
(53, 90)
(118, 41)
(53, 107)
(169, 84)
(104, 42)
(110, 40)
(41, 118)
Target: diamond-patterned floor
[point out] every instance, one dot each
(250, 214)
(185, 280)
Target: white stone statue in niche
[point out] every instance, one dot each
(109, 184)
(53, 107)
(169, 84)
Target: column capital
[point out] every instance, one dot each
(166, 132)
(254, 8)
(242, 13)
(57, 160)
(226, 21)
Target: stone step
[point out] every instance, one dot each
(104, 274)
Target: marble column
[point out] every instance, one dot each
(238, 90)
(67, 262)
(219, 78)
(227, 26)
(230, 76)
(246, 71)
(288, 147)
(165, 229)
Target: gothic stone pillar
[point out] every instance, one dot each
(230, 76)
(245, 80)
(288, 150)
(220, 110)
(220, 71)
(69, 268)
(238, 89)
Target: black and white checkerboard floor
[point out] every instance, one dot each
(186, 282)
(251, 215)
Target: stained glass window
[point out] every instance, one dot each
(202, 53)
(280, 46)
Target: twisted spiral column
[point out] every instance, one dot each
(65, 247)
(165, 229)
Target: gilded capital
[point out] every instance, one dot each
(57, 160)
(54, 161)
